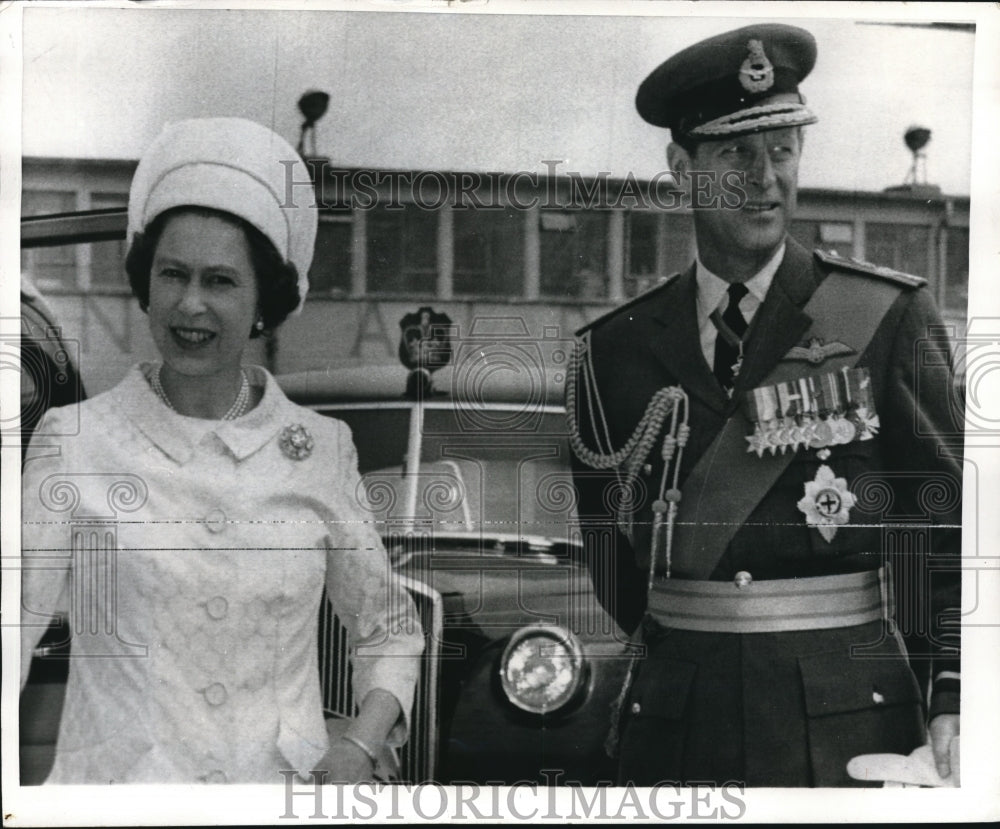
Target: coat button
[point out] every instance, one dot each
(215, 694)
(877, 698)
(216, 776)
(743, 579)
(636, 708)
(215, 521)
(256, 681)
(217, 607)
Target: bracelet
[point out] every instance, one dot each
(363, 746)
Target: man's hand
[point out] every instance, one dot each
(942, 729)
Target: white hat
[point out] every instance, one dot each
(236, 166)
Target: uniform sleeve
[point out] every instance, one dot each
(370, 600)
(926, 443)
(45, 536)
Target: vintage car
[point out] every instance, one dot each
(465, 467)
(471, 486)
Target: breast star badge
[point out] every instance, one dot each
(827, 502)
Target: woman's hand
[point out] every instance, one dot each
(358, 745)
(344, 762)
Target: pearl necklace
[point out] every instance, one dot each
(238, 409)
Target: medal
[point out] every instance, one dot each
(822, 435)
(860, 402)
(757, 441)
(813, 412)
(807, 388)
(794, 437)
(761, 407)
(774, 439)
(830, 404)
(843, 430)
(782, 440)
(827, 502)
(790, 409)
(789, 399)
(869, 423)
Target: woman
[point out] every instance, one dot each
(189, 517)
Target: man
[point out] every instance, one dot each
(755, 441)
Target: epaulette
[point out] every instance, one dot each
(835, 260)
(659, 286)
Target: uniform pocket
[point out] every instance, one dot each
(661, 689)
(857, 706)
(652, 744)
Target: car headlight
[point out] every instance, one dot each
(542, 669)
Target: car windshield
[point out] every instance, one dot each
(510, 488)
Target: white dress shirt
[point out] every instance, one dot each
(712, 295)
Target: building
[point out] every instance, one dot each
(527, 255)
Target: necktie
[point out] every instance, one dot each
(732, 326)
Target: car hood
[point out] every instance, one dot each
(507, 590)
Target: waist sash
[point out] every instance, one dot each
(769, 606)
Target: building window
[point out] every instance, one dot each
(956, 276)
(55, 267)
(107, 259)
(678, 243)
(330, 272)
(830, 236)
(640, 247)
(402, 250)
(658, 245)
(902, 247)
(489, 252)
(574, 259)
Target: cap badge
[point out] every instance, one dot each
(757, 72)
(827, 502)
(296, 442)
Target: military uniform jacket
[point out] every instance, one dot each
(910, 472)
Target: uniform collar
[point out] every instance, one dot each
(711, 288)
(178, 436)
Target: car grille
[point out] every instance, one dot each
(418, 758)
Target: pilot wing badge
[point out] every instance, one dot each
(817, 352)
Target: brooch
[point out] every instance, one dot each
(827, 502)
(295, 442)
